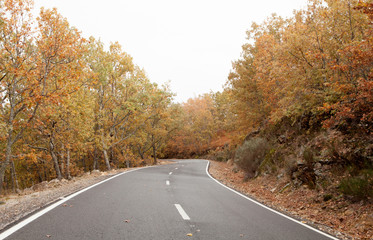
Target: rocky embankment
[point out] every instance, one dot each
(337, 216)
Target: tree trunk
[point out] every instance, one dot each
(14, 178)
(141, 153)
(154, 155)
(68, 176)
(108, 167)
(56, 166)
(112, 157)
(7, 156)
(62, 155)
(95, 159)
(55, 160)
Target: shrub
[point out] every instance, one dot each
(221, 155)
(308, 156)
(359, 187)
(250, 155)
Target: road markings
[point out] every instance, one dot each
(56, 204)
(170, 173)
(268, 208)
(168, 183)
(183, 214)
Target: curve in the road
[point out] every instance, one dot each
(167, 202)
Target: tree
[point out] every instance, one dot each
(352, 80)
(19, 88)
(60, 68)
(158, 127)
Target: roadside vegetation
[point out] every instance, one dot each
(296, 116)
(298, 104)
(69, 105)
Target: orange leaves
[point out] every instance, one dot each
(321, 59)
(203, 125)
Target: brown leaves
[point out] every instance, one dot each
(357, 218)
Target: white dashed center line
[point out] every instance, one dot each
(182, 212)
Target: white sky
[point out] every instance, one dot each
(192, 43)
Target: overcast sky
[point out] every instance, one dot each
(191, 43)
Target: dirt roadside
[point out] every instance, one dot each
(337, 217)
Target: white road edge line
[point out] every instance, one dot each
(28, 220)
(167, 183)
(183, 214)
(268, 208)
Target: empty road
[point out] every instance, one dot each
(176, 201)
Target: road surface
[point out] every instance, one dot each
(176, 201)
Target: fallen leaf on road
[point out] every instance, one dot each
(127, 221)
(48, 236)
(64, 205)
(189, 234)
(241, 235)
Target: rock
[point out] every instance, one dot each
(96, 172)
(39, 186)
(318, 172)
(280, 176)
(54, 181)
(318, 165)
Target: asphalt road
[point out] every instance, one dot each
(161, 203)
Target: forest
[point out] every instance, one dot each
(299, 98)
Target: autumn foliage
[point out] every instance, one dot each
(68, 105)
(303, 86)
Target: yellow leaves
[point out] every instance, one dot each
(189, 234)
